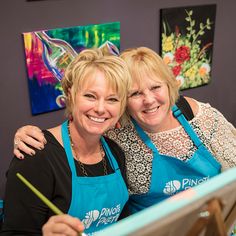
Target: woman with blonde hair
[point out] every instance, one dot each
(79, 170)
(171, 142)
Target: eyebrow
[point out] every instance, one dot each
(95, 92)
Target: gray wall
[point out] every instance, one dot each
(139, 26)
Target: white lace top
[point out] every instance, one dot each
(217, 134)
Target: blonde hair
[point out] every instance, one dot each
(86, 64)
(144, 61)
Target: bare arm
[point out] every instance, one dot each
(62, 225)
(27, 138)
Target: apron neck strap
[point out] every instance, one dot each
(187, 127)
(67, 146)
(109, 154)
(69, 154)
(144, 137)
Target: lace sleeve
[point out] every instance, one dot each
(223, 139)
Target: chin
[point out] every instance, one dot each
(152, 124)
(96, 133)
(97, 130)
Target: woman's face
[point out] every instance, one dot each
(149, 103)
(97, 106)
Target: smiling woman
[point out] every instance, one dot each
(171, 142)
(147, 92)
(80, 171)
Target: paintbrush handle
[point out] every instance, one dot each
(53, 207)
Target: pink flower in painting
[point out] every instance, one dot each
(182, 54)
(176, 70)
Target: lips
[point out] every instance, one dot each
(152, 110)
(96, 119)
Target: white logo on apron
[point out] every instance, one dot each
(106, 216)
(173, 186)
(90, 217)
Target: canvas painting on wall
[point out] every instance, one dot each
(187, 37)
(48, 53)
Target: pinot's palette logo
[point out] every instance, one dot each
(175, 186)
(103, 217)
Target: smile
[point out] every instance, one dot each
(151, 110)
(99, 120)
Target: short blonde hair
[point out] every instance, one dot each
(144, 61)
(86, 64)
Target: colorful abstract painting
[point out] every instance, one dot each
(48, 52)
(187, 35)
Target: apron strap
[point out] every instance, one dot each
(187, 127)
(145, 138)
(109, 154)
(67, 147)
(70, 158)
(1, 211)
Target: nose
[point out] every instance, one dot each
(148, 97)
(100, 107)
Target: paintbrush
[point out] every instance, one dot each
(53, 207)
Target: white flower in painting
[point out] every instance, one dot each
(204, 69)
(180, 79)
(168, 58)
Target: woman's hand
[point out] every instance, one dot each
(62, 225)
(27, 137)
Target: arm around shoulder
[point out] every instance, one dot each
(26, 139)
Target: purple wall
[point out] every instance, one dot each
(139, 27)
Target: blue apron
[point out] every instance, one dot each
(171, 175)
(96, 201)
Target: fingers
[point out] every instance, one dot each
(62, 225)
(27, 137)
(58, 229)
(29, 133)
(36, 133)
(18, 154)
(28, 140)
(22, 147)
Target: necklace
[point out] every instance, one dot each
(102, 153)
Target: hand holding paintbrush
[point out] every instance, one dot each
(66, 219)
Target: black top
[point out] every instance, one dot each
(49, 171)
(185, 108)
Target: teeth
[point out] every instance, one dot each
(100, 120)
(151, 110)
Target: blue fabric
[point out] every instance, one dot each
(171, 175)
(1, 211)
(96, 201)
(173, 209)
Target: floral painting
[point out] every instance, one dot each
(48, 53)
(187, 37)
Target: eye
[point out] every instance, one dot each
(156, 87)
(89, 95)
(113, 99)
(135, 94)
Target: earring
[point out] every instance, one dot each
(70, 117)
